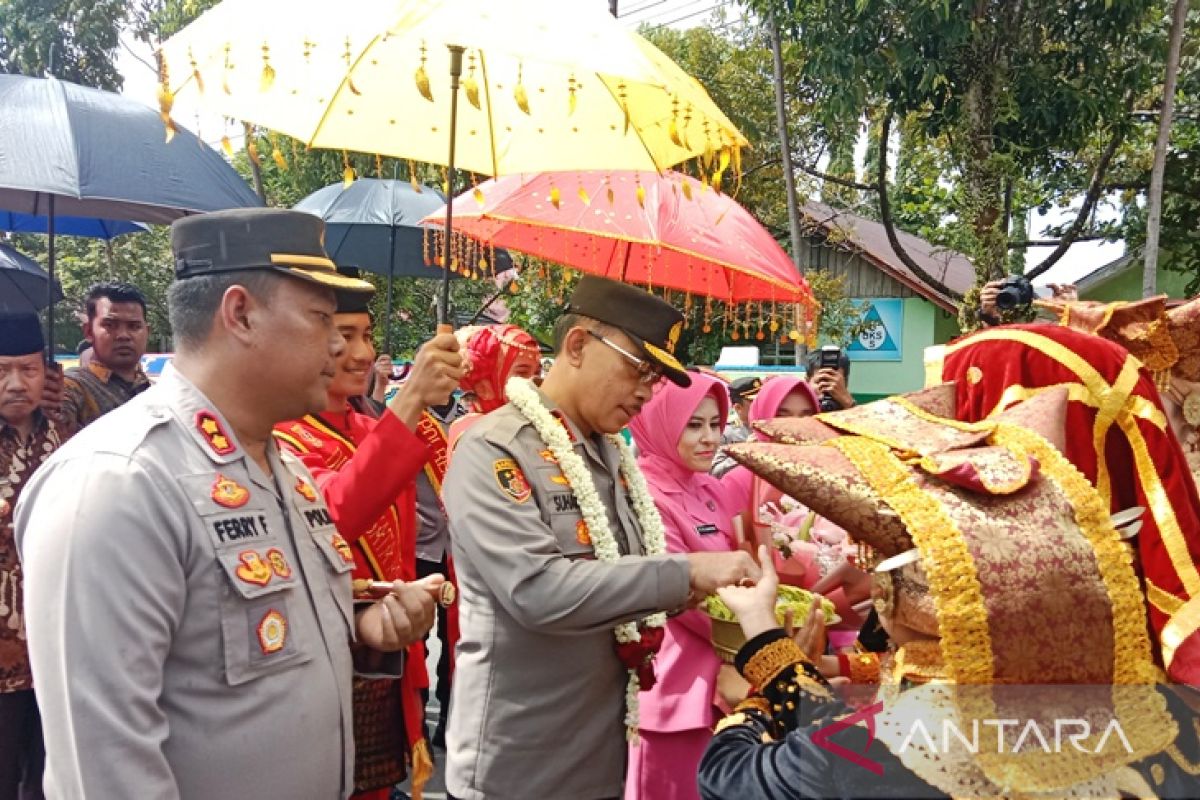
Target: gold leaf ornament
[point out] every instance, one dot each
(227, 145)
(687, 189)
(196, 72)
(349, 62)
(519, 92)
(422, 78)
(252, 151)
(268, 72)
(347, 176)
(572, 85)
(478, 195)
(641, 195)
(584, 196)
(470, 85)
(555, 197)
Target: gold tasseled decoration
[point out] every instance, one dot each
(276, 153)
(349, 58)
(622, 95)
(519, 92)
(422, 78)
(166, 99)
(196, 72)
(572, 99)
(469, 84)
(347, 171)
(267, 80)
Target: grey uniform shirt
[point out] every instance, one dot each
(539, 694)
(189, 616)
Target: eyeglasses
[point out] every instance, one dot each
(649, 374)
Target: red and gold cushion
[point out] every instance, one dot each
(1117, 436)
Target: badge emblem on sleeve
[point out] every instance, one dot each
(305, 490)
(272, 632)
(229, 493)
(511, 480)
(214, 433)
(279, 564)
(582, 535)
(253, 569)
(342, 547)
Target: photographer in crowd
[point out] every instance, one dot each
(829, 371)
(999, 297)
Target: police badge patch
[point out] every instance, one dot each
(510, 478)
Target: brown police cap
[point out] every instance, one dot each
(652, 323)
(290, 242)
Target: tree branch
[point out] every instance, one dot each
(885, 213)
(1021, 244)
(770, 162)
(1095, 189)
(849, 184)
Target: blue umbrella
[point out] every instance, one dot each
(24, 286)
(93, 227)
(67, 150)
(375, 225)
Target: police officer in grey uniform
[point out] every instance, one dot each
(189, 600)
(538, 699)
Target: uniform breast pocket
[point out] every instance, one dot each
(259, 633)
(335, 551)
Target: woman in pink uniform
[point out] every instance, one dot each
(677, 434)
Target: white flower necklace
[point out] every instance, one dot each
(524, 397)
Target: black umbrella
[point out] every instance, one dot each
(67, 150)
(24, 286)
(375, 225)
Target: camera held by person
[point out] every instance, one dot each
(828, 371)
(1015, 292)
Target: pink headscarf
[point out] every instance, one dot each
(774, 391)
(739, 481)
(661, 422)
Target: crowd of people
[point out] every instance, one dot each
(221, 585)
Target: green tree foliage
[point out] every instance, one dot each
(81, 35)
(1009, 94)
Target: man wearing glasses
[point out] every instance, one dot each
(537, 705)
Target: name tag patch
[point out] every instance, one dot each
(235, 529)
(564, 503)
(317, 518)
(707, 530)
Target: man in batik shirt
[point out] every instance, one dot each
(27, 438)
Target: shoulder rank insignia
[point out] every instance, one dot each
(305, 490)
(548, 456)
(272, 632)
(510, 478)
(214, 433)
(229, 493)
(562, 420)
(279, 564)
(342, 546)
(253, 569)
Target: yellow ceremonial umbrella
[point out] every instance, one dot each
(549, 85)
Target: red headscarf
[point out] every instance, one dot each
(490, 352)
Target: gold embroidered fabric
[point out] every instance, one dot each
(771, 660)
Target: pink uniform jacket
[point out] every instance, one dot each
(697, 517)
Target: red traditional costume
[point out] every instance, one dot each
(1118, 437)
(366, 469)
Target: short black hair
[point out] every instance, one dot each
(569, 320)
(115, 293)
(192, 302)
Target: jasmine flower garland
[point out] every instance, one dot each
(524, 397)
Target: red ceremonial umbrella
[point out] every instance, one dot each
(666, 230)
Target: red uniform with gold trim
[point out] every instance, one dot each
(1118, 437)
(366, 469)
